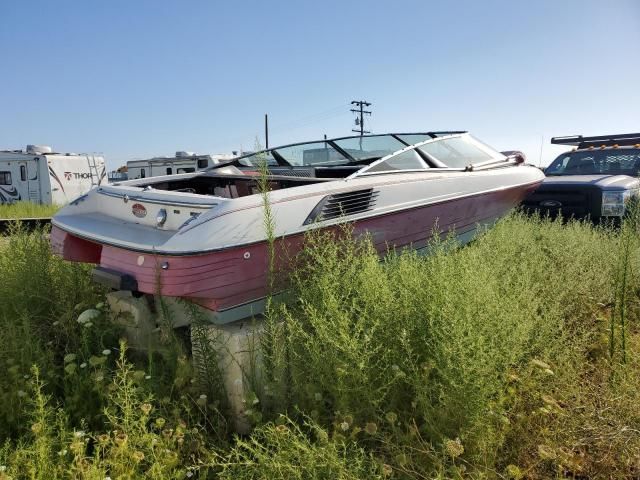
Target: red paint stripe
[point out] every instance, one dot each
(223, 278)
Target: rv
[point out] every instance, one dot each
(40, 175)
(183, 162)
(118, 175)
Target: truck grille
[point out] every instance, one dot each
(568, 201)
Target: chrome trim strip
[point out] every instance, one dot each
(158, 202)
(492, 165)
(413, 170)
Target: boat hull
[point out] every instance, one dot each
(228, 278)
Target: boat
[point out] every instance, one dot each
(201, 236)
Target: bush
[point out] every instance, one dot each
(285, 450)
(516, 356)
(430, 348)
(41, 297)
(137, 443)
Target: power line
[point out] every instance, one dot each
(310, 119)
(360, 119)
(291, 125)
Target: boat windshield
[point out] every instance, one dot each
(455, 151)
(413, 138)
(317, 153)
(320, 153)
(398, 151)
(257, 159)
(341, 151)
(368, 148)
(597, 162)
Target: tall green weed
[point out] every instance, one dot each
(286, 450)
(488, 361)
(25, 209)
(41, 299)
(428, 347)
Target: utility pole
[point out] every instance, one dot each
(266, 131)
(361, 112)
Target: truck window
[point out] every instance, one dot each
(601, 162)
(23, 173)
(5, 178)
(142, 174)
(203, 163)
(169, 171)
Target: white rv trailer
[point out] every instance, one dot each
(182, 162)
(40, 175)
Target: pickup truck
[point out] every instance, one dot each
(596, 180)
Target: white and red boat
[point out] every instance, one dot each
(201, 236)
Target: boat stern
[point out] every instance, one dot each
(73, 248)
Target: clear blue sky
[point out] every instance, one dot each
(136, 78)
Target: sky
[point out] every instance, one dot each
(137, 78)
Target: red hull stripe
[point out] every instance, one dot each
(225, 278)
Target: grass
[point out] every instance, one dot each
(438, 350)
(27, 210)
(497, 360)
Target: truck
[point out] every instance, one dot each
(182, 162)
(595, 180)
(40, 175)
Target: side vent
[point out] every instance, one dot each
(291, 172)
(342, 205)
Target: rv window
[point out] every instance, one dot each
(169, 171)
(186, 170)
(23, 173)
(5, 178)
(203, 163)
(142, 174)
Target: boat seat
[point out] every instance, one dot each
(242, 189)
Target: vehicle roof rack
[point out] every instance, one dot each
(607, 140)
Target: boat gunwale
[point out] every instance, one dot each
(326, 224)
